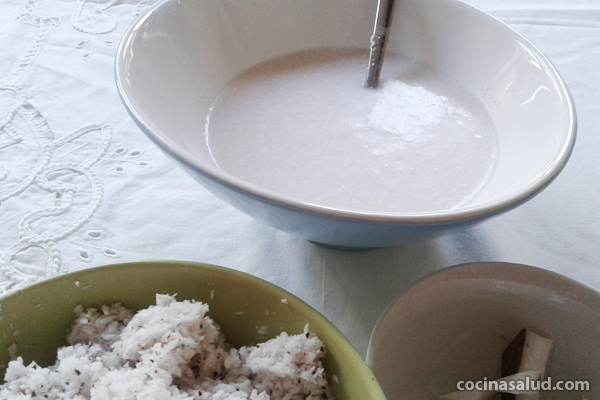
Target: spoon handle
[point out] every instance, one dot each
(383, 21)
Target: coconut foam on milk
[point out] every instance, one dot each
(305, 126)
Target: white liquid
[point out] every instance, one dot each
(304, 125)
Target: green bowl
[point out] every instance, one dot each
(37, 318)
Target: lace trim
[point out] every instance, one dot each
(60, 187)
(99, 17)
(47, 177)
(45, 26)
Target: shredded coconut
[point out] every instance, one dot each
(170, 351)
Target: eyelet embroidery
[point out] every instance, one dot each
(59, 193)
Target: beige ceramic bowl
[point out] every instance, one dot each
(36, 319)
(454, 324)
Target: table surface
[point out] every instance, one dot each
(81, 186)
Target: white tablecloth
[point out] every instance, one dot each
(81, 186)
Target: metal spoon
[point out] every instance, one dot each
(383, 21)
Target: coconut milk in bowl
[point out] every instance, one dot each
(305, 126)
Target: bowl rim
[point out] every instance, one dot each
(439, 217)
(488, 269)
(81, 274)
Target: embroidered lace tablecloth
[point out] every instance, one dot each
(81, 186)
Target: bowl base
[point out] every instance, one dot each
(345, 248)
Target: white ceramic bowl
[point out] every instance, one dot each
(175, 60)
(454, 324)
